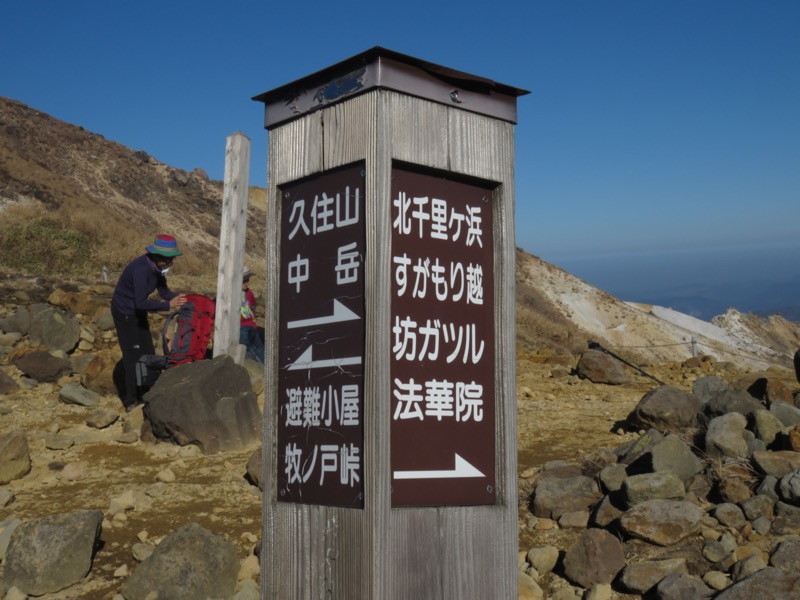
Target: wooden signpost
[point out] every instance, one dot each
(231, 247)
(390, 423)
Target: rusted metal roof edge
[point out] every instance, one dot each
(382, 68)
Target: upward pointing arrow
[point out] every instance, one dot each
(462, 469)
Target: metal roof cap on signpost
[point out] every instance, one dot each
(382, 68)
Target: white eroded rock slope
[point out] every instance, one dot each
(656, 334)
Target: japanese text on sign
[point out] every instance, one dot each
(320, 428)
(442, 342)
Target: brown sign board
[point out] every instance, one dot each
(442, 341)
(321, 340)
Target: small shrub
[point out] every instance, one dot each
(40, 243)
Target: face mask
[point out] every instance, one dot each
(165, 271)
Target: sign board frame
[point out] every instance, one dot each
(442, 316)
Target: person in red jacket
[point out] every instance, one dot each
(131, 303)
(248, 328)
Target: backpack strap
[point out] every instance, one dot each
(164, 332)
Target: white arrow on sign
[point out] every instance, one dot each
(304, 361)
(340, 313)
(462, 469)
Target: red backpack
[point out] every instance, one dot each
(188, 330)
(185, 338)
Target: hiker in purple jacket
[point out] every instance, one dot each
(131, 303)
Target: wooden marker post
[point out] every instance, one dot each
(231, 247)
(390, 430)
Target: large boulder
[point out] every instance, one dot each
(553, 496)
(209, 403)
(777, 463)
(662, 522)
(99, 374)
(786, 413)
(190, 563)
(54, 328)
(675, 455)
(708, 387)
(732, 400)
(595, 557)
(665, 485)
(49, 554)
(599, 367)
(638, 577)
(43, 366)
(666, 408)
(679, 586)
(766, 583)
(726, 437)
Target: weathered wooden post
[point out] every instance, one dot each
(231, 247)
(390, 430)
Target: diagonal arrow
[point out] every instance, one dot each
(462, 469)
(304, 361)
(340, 313)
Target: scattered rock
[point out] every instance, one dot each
(639, 577)
(777, 463)
(543, 559)
(188, 564)
(596, 557)
(55, 329)
(42, 366)
(74, 393)
(666, 408)
(787, 555)
(662, 522)
(552, 497)
(766, 583)
(674, 455)
(680, 586)
(7, 384)
(729, 401)
(725, 436)
(789, 486)
(18, 322)
(15, 460)
(664, 485)
(100, 419)
(99, 375)
(787, 519)
(49, 554)
(56, 441)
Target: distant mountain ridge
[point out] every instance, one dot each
(114, 199)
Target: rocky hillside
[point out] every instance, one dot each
(73, 202)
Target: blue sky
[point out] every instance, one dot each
(652, 125)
